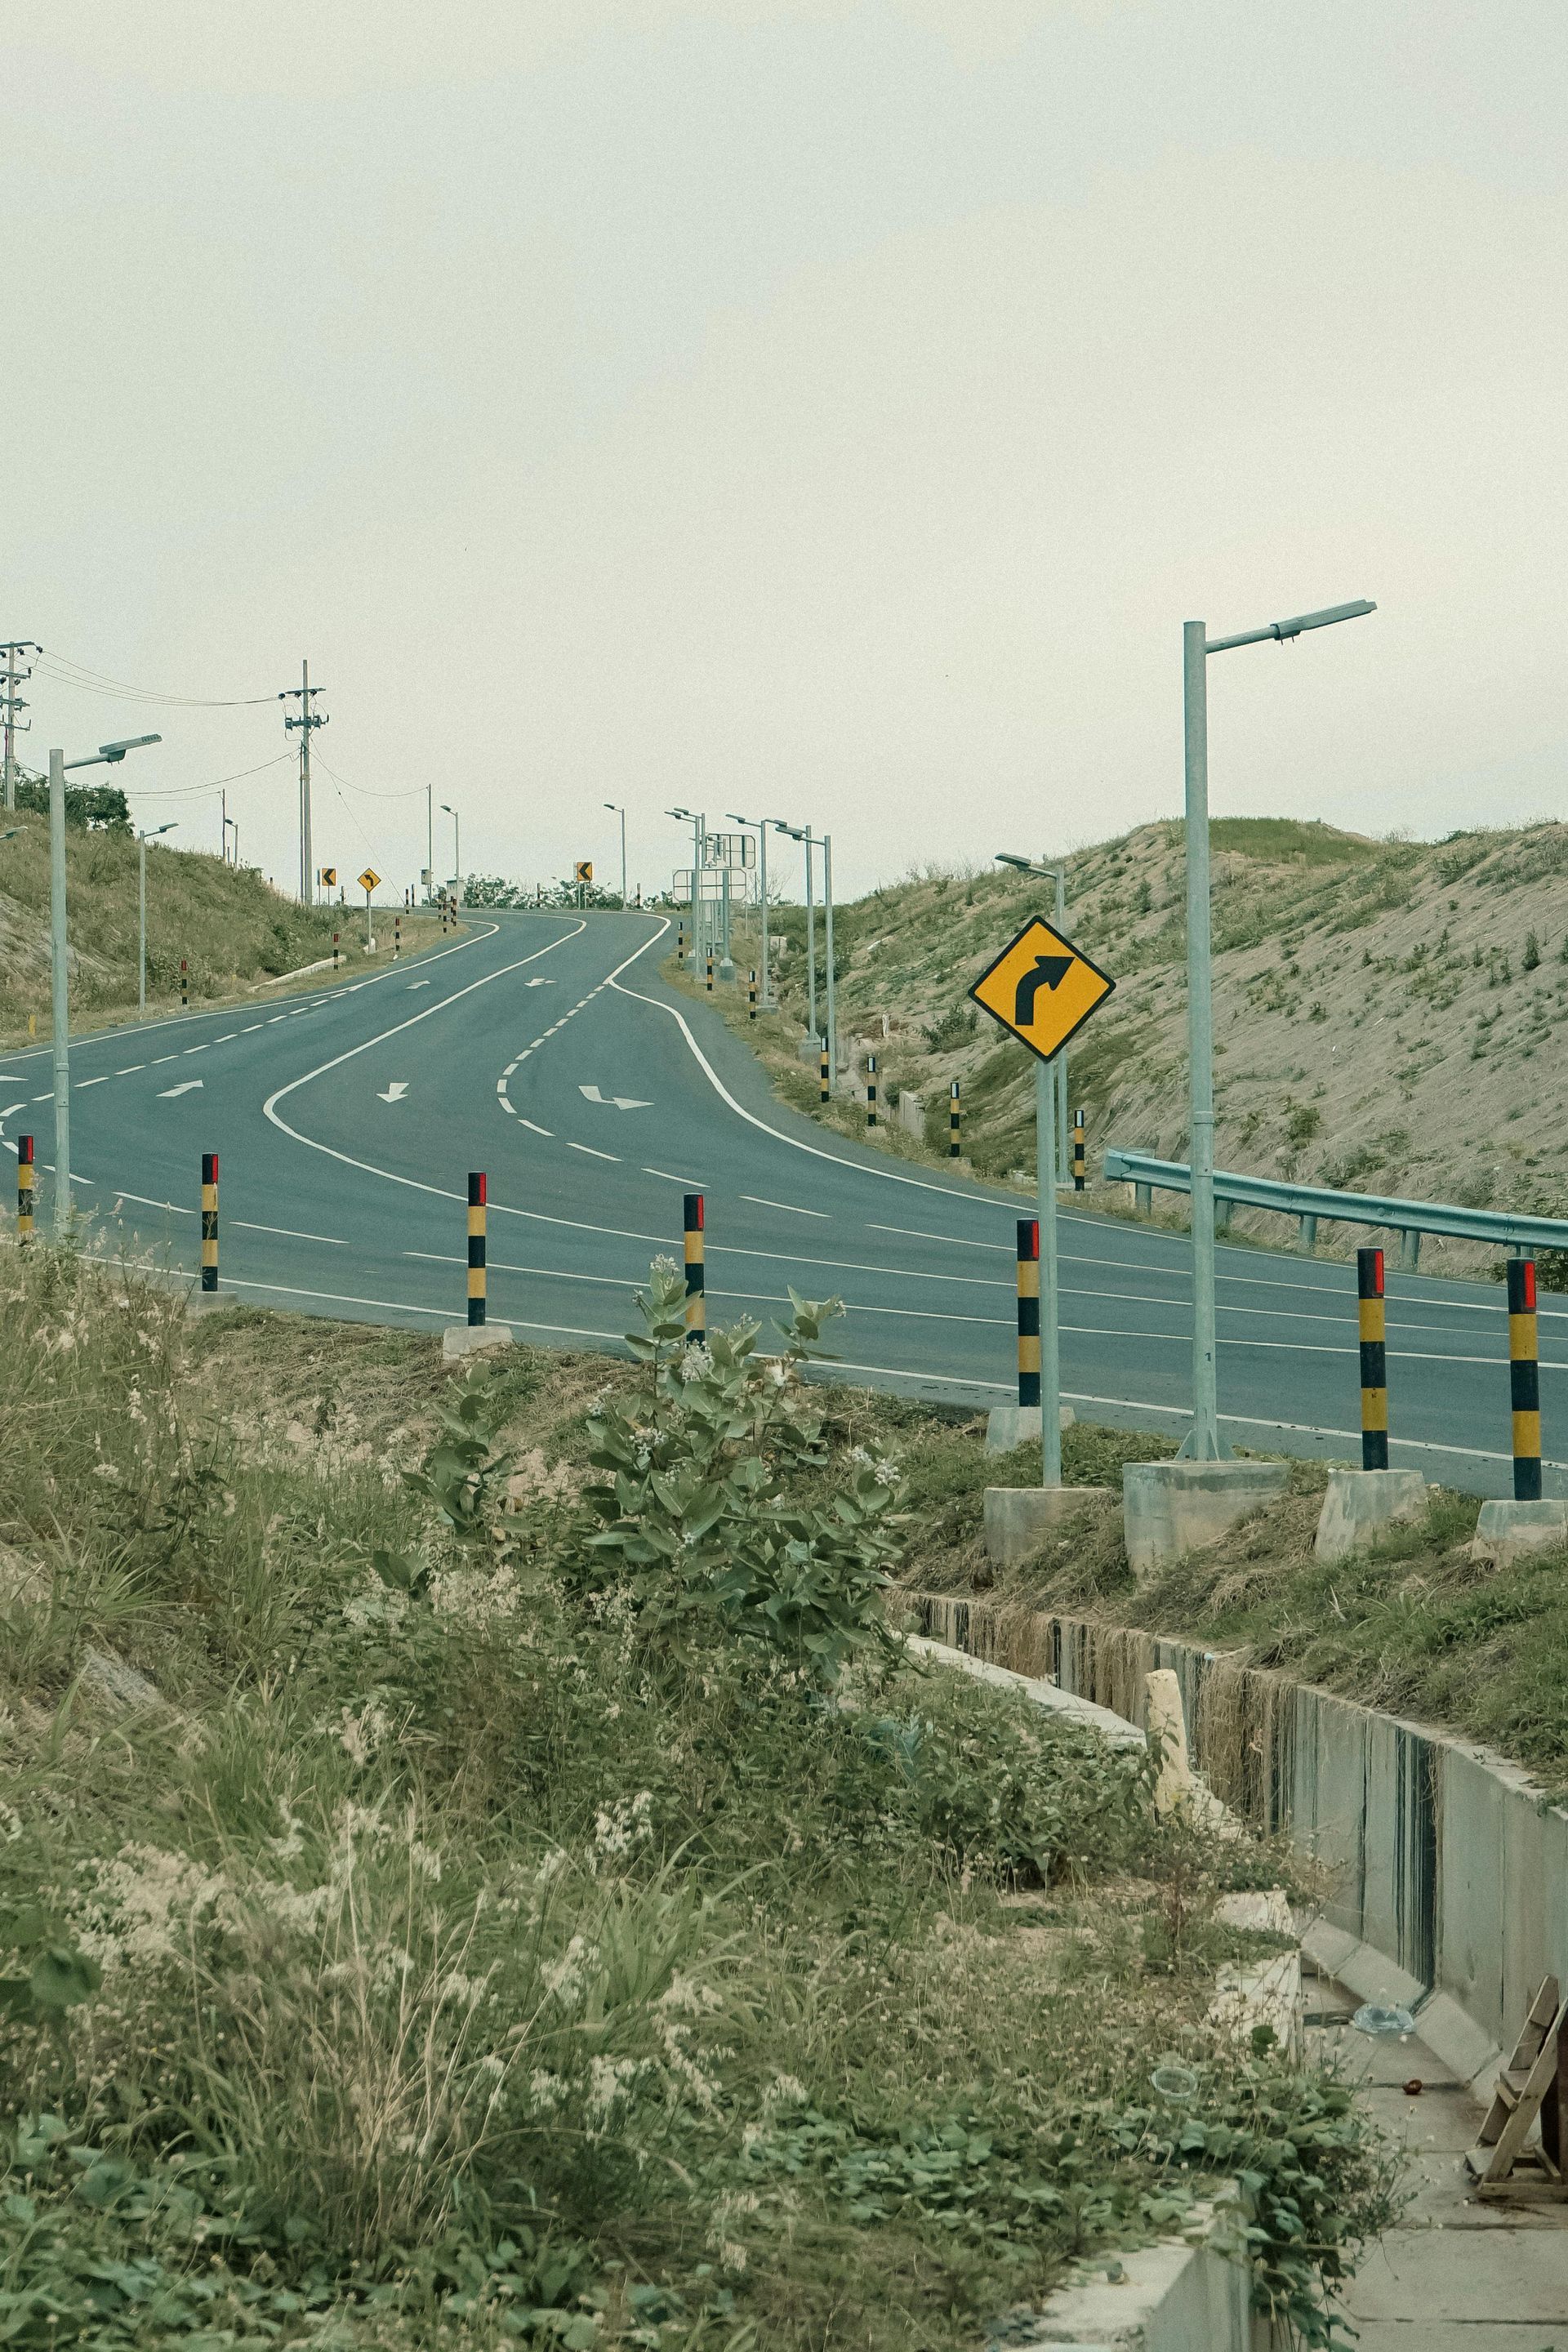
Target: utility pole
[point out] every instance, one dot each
(11, 678)
(827, 925)
(306, 719)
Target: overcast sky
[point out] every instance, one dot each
(833, 410)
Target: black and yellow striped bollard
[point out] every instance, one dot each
(823, 1072)
(680, 943)
(335, 948)
(185, 985)
(396, 935)
(695, 1271)
(1524, 1379)
(710, 975)
(477, 1196)
(1371, 1314)
(1080, 1151)
(871, 1090)
(209, 1222)
(26, 1178)
(954, 1123)
(751, 998)
(1029, 1312)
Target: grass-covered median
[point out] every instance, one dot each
(544, 1901)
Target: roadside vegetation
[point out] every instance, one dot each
(233, 930)
(476, 1864)
(1384, 1010)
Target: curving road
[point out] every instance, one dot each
(545, 1050)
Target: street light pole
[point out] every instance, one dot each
(1202, 1443)
(142, 839)
(827, 944)
(614, 806)
(457, 849)
(1050, 1089)
(107, 755)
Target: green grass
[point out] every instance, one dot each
(230, 927)
(488, 1934)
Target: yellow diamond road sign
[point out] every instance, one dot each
(1042, 988)
(369, 879)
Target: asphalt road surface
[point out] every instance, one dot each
(545, 1050)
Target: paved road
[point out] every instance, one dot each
(346, 1123)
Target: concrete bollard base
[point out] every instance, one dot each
(459, 1339)
(207, 1302)
(1361, 1502)
(1172, 1508)
(1019, 1519)
(808, 1050)
(1009, 1426)
(1507, 1529)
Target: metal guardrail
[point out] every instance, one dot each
(1310, 1204)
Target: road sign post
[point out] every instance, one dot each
(367, 882)
(1042, 989)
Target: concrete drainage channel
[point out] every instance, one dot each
(1448, 1864)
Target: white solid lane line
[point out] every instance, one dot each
(286, 1232)
(789, 1209)
(693, 1183)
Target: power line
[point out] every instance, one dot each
(90, 681)
(190, 791)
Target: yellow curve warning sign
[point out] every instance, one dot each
(369, 879)
(1042, 989)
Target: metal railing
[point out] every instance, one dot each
(1312, 1203)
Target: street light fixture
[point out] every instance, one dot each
(1202, 1443)
(107, 755)
(616, 807)
(143, 838)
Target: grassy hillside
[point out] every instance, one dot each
(1385, 1011)
(232, 927)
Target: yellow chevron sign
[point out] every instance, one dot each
(1042, 989)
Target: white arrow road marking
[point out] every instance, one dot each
(621, 1102)
(419, 983)
(539, 980)
(396, 1091)
(186, 1087)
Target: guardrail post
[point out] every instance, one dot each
(1080, 1150)
(26, 1178)
(1524, 1379)
(1222, 1212)
(478, 1193)
(1029, 1311)
(954, 1121)
(209, 1222)
(1371, 1316)
(696, 1270)
(823, 1072)
(1143, 1199)
(1409, 1249)
(1306, 1235)
(752, 991)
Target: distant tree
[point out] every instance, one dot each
(89, 808)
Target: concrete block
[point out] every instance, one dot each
(809, 1051)
(1019, 1519)
(1361, 1503)
(1172, 1508)
(459, 1339)
(1009, 1426)
(1167, 1729)
(1507, 1529)
(1165, 2298)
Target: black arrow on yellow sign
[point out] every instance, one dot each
(1051, 970)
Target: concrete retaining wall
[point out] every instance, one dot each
(1449, 1867)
